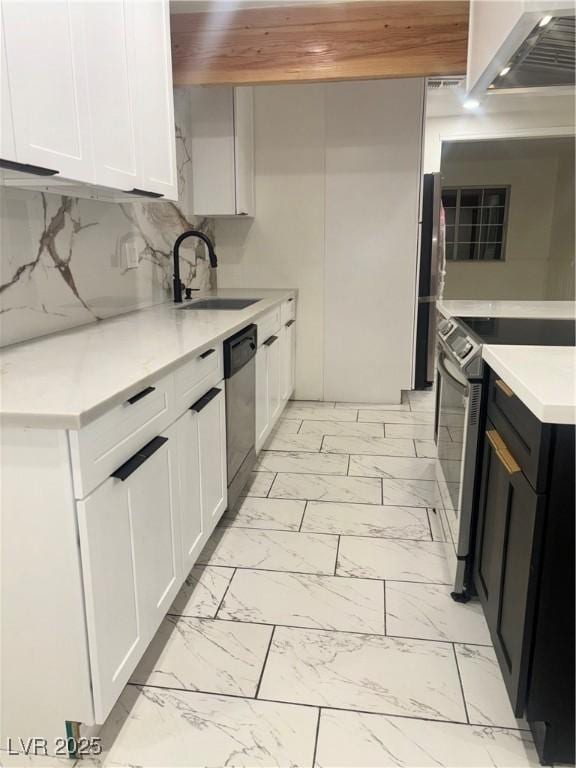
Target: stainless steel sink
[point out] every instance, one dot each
(220, 304)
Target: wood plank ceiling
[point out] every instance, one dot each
(314, 43)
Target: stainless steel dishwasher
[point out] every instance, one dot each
(240, 375)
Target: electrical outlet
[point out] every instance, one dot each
(131, 256)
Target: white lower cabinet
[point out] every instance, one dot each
(129, 531)
(192, 526)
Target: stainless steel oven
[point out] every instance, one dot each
(456, 430)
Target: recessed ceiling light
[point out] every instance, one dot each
(471, 104)
(545, 20)
(505, 71)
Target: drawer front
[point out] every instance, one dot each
(196, 376)
(100, 448)
(288, 311)
(526, 437)
(268, 325)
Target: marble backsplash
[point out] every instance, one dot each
(63, 260)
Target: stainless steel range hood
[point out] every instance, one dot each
(545, 59)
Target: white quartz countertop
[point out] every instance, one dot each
(69, 379)
(543, 378)
(556, 310)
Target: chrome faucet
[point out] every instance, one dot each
(178, 285)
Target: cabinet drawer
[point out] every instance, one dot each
(268, 325)
(288, 311)
(526, 437)
(196, 376)
(101, 447)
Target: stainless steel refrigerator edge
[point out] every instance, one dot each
(430, 278)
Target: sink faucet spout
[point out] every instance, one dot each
(179, 240)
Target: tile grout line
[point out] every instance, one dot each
(271, 486)
(328, 707)
(314, 753)
(348, 467)
(329, 630)
(385, 617)
(265, 660)
(321, 533)
(430, 524)
(302, 518)
(341, 501)
(337, 552)
(460, 681)
(224, 595)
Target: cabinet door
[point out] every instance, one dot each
(212, 442)
(130, 567)
(244, 150)
(106, 28)
(154, 101)
(192, 522)
(262, 397)
(7, 145)
(46, 71)
(508, 546)
(274, 381)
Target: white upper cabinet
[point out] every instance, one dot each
(154, 100)
(48, 86)
(7, 145)
(106, 28)
(222, 149)
(91, 92)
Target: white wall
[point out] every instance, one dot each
(540, 231)
(499, 115)
(337, 179)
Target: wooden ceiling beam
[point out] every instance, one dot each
(320, 43)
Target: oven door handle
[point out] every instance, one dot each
(462, 388)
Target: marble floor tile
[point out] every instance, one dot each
(287, 427)
(275, 514)
(259, 484)
(448, 450)
(427, 611)
(272, 550)
(487, 701)
(352, 739)
(456, 434)
(406, 468)
(373, 446)
(299, 600)
(397, 417)
(321, 414)
(366, 520)
(421, 431)
(410, 493)
(430, 562)
(296, 461)
(347, 428)
(404, 406)
(366, 490)
(205, 655)
(280, 442)
(202, 591)
(14, 757)
(155, 728)
(438, 524)
(364, 672)
(451, 469)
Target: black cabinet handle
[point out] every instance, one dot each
(289, 323)
(143, 193)
(124, 472)
(140, 395)
(206, 354)
(37, 170)
(205, 399)
(270, 340)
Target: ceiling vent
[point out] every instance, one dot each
(444, 83)
(546, 58)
